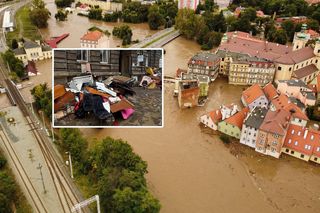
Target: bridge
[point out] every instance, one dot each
(158, 39)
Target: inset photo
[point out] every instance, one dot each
(107, 88)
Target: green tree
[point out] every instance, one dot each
(7, 186)
(289, 27)
(43, 98)
(189, 23)
(313, 24)
(63, 3)
(15, 65)
(155, 19)
(95, 13)
(61, 15)
(135, 12)
(5, 204)
(124, 32)
(14, 43)
(39, 15)
(249, 13)
(127, 200)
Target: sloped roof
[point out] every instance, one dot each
(302, 140)
(238, 118)
(305, 71)
(270, 91)
(92, 36)
(19, 51)
(252, 93)
(215, 116)
(244, 43)
(30, 44)
(256, 117)
(276, 122)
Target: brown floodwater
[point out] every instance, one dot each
(77, 26)
(191, 170)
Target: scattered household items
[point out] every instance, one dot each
(83, 96)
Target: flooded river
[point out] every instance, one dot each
(193, 171)
(77, 26)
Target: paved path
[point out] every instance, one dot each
(158, 39)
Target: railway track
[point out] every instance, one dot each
(67, 197)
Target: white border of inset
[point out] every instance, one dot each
(110, 127)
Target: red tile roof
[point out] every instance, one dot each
(313, 1)
(276, 122)
(179, 72)
(305, 71)
(303, 140)
(215, 116)
(252, 93)
(240, 42)
(270, 91)
(238, 118)
(283, 102)
(92, 36)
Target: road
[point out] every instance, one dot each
(63, 191)
(158, 39)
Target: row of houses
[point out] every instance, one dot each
(273, 121)
(247, 60)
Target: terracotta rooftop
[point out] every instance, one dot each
(313, 1)
(238, 118)
(215, 116)
(179, 71)
(303, 140)
(276, 122)
(283, 102)
(92, 36)
(270, 91)
(305, 71)
(244, 43)
(252, 93)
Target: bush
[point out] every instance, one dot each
(124, 32)
(3, 162)
(225, 138)
(63, 3)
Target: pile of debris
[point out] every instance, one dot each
(83, 96)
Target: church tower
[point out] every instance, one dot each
(300, 38)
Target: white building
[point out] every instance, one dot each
(94, 39)
(32, 51)
(190, 4)
(7, 24)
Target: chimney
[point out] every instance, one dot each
(38, 42)
(315, 127)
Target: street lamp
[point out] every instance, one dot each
(70, 164)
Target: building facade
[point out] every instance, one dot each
(272, 133)
(32, 51)
(204, 64)
(104, 63)
(189, 4)
(251, 125)
(94, 39)
(254, 96)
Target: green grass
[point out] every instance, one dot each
(151, 42)
(24, 27)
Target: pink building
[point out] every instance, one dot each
(190, 4)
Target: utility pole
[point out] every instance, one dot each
(70, 164)
(44, 188)
(52, 132)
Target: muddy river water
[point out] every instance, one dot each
(191, 170)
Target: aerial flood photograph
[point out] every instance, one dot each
(166, 106)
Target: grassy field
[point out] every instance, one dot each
(24, 27)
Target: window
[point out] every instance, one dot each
(292, 132)
(104, 56)
(274, 143)
(318, 149)
(273, 150)
(279, 68)
(312, 137)
(296, 143)
(315, 159)
(302, 155)
(287, 150)
(299, 133)
(82, 55)
(292, 152)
